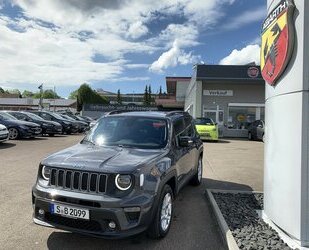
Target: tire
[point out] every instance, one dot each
(13, 133)
(197, 178)
(250, 138)
(263, 138)
(163, 217)
(51, 135)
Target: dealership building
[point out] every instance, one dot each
(233, 96)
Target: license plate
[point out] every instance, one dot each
(71, 212)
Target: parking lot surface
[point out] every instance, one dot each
(234, 164)
(194, 225)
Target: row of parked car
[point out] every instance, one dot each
(29, 124)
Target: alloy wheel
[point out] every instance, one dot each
(13, 133)
(166, 212)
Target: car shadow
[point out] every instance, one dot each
(4, 145)
(225, 185)
(219, 141)
(194, 226)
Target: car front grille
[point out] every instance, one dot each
(78, 181)
(36, 130)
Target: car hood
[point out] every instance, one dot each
(49, 122)
(102, 159)
(18, 123)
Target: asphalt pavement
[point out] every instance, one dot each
(194, 225)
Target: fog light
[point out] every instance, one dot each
(112, 225)
(41, 212)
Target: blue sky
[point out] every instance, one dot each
(124, 45)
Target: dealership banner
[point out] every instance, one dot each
(107, 108)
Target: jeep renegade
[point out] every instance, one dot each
(121, 179)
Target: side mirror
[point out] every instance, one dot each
(185, 141)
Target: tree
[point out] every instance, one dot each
(119, 98)
(149, 95)
(47, 94)
(160, 90)
(1, 90)
(87, 95)
(145, 100)
(73, 94)
(27, 94)
(15, 92)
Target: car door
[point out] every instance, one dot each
(191, 160)
(180, 153)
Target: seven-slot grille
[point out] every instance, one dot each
(78, 181)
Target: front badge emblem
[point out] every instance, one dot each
(277, 41)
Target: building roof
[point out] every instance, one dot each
(35, 102)
(228, 72)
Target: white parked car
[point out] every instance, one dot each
(4, 133)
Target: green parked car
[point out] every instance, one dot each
(207, 129)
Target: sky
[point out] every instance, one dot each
(122, 44)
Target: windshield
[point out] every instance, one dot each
(68, 117)
(57, 116)
(128, 131)
(204, 121)
(6, 116)
(34, 116)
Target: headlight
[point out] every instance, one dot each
(46, 173)
(123, 181)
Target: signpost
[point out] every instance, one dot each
(285, 67)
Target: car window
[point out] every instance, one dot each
(6, 116)
(204, 121)
(178, 126)
(129, 131)
(46, 116)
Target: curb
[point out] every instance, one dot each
(226, 233)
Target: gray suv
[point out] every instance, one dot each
(121, 179)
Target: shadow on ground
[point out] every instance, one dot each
(4, 145)
(225, 185)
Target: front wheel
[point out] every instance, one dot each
(13, 134)
(164, 214)
(197, 178)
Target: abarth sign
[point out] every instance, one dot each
(277, 41)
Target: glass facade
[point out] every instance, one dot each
(240, 117)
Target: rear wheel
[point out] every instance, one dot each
(13, 133)
(197, 178)
(164, 214)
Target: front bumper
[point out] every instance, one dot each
(52, 130)
(209, 135)
(4, 137)
(102, 209)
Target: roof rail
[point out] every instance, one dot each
(177, 112)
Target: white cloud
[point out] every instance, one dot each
(248, 54)
(55, 42)
(246, 18)
(172, 58)
(137, 29)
